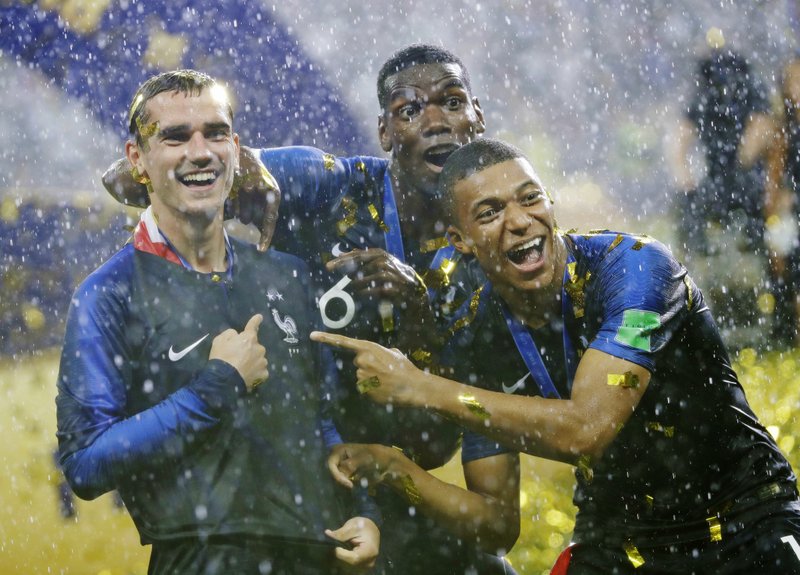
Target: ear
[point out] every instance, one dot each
(134, 155)
(383, 134)
(462, 244)
(237, 151)
(480, 128)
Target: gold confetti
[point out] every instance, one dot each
(432, 245)
(575, 289)
(689, 296)
(146, 131)
(633, 554)
(216, 278)
(649, 500)
(668, 431)
(714, 528)
(615, 243)
(473, 311)
(440, 277)
(627, 380)
(349, 219)
(410, 489)
(328, 161)
(641, 241)
(475, 406)
(373, 211)
(366, 385)
(421, 355)
(585, 468)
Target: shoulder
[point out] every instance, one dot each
(314, 158)
(112, 279)
(621, 252)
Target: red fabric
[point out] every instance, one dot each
(562, 563)
(150, 240)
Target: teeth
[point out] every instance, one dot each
(534, 243)
(201, 177)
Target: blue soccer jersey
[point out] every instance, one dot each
(692, 448)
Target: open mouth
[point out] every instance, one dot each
(527, 254)
(198, 179)
(437, 155)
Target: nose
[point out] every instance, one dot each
(198, 151)
(435, 120)
(516, 218)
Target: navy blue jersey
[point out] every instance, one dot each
(142, 410)
(692, 449)
(329, 206)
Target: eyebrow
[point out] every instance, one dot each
(493, 201)
(170, 131)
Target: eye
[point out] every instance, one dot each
(217, 135)
(409, 111)
(454, 103)
(175, 140)
(532, 197)
(487, 214)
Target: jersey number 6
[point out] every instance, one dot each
(337, 292)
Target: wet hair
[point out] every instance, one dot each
(416, 55)
(469, 160)
(188, 82)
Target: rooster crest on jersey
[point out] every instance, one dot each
(287, 325)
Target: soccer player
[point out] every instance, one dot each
(597, 350)
(372, 229)
(164, 389)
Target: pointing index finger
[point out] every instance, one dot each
(338, 340)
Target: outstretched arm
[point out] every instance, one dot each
(487, 512)
(605, 392)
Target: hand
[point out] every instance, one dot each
(378, 273)
(354, 461)
(364, 538)
(255, 197)
(118, 181)
(390, 376)
(243, 352)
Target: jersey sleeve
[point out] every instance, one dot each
(312, 184)
(100, 444)
(641, 298)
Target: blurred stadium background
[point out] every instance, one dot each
(589, 89)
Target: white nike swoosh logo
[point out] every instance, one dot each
(177, 355)
(336, 251)
(520, 383)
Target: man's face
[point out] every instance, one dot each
(192, 154)
(429, 114)
(505, 218)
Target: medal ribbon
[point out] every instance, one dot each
(394, 236)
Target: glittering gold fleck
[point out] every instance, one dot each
(626, 380)
(368, 384)
(475, 406)
(714, 528)
(633, 554)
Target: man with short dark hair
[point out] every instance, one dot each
(596, 350)
(163, 390)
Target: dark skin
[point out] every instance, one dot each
(430, 112)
